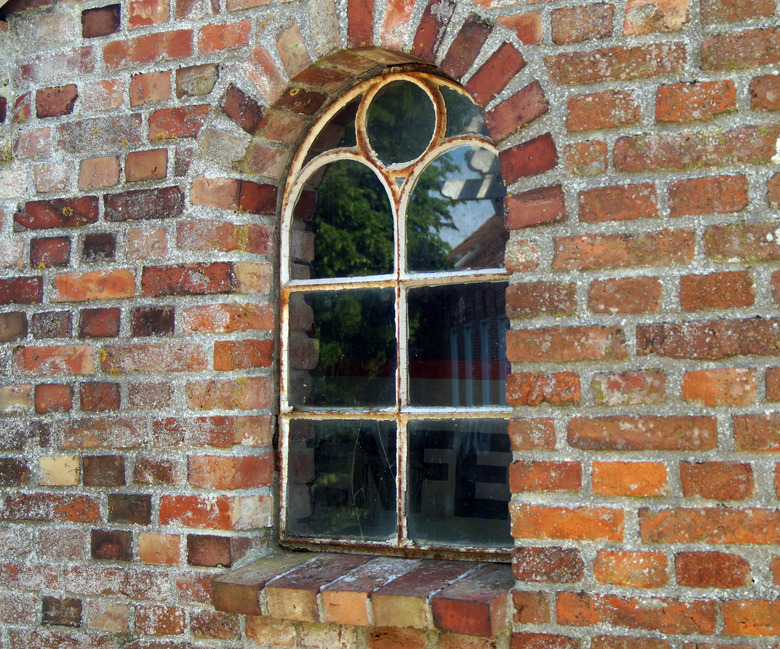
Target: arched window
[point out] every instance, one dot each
(393, 412)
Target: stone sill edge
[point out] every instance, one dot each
(242, 591)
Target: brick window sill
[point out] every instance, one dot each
(359, 590)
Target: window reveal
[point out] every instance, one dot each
(393, 409)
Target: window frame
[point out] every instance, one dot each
(401, 281)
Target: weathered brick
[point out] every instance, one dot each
(13, 326)
(649, 16)
(529, 389)
(61, 611)
(717, 480)
(765, 93)
(97, 173)
(576, 24)
(99, 397)
(162, 46)
(624, 433)
(103, 432)
(745, 49)
(99, 133)
(58, 213)
(53, 177)
(495, 74)
(631, 569)
(196, 80)
(638, 479)
(49, 251)
(528, 159)
(156, 620)
(687, 102)
(226, 318)
(160, 549)
(243, 354)
(214, 625)
(543, 641)
(462, 52)
(240, 394)
(154, 357)
(727, 11)
(600, 110)
(534, 207)
(217, 472)
(711, 570)
(53, 397)
(98, 246)
(146, 243)
(583, 523)
(13, 472)
(188, 279)
(54, 360)
(148, 470)
(129, 509)
(150, 87)
(711, 525)
(519, 110)
(616, 63)
(142, 204)
(596, 251)
(666, 615)
(52, 324)
(530, 607)
(720, 387)
(618, 203)
(53, 102)
(224, 236)
(710, 195)
(214, 38)
(51, 507)
(526, 26)
(146, 165)
(93, 285)
(103, 470)
(111, 545)
(101, 21)
(529, 434)
(629, 388)
(545, 476)
(540, 298)
(99, 323)
(751, 617)
(566, 344)
(625, 295)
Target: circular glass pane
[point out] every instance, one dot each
(401, 121)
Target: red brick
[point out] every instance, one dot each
(196, 80)
(110, 431)
(530, 608)
(150, 87)
(765, 93)
(108, 580)
(215, 38)
(584, 523)
(431, 28)
(152, 321)
(711, 525)
(396, 638)
(154, 357)
(243, 354)
(143, 204)
(99, 397)
(13, 326)
(542, 641)
(631, 569)
(586, 158)
(159, 549)
(745, 49)
(103, 471)
(242, 109)
(51, 507)
(742, 241)
(629, 388)
(303, 102)
(261, 69)
(225, 236)
(214, 625)
(154, 471)
(709, 339)
(519, 110)
(530, 434)
(175, 123)
(696, 149)
(146, 165)
(53, 397)
(626, 295)
(130, 509)
(360, 23)
(643, 17)
(585, 23)
(529, 389)
(65, 611)
(711, 195)
(720, 387)
(100, 22)
(594, 251)
(618, 203)
(99, 134)
(49, 251)
(566, 344)
(624, 433)
(545, 476)
(637, 479)
(162, 46)
(751, 617)
(528, 159)
(494, 74)
(616, 63)
(188, 279)
(218, 472)
(33, 143)
(51, 324)
(13, 472)
(53, 102)
(600, 110)
(93, 285)
(54, 360)
(209, 512)
(534, 207)
(228, 317)
(717, 480)
(58, 213)
(99, 323)
(687, 102)
(728, 11)
(540, 298)
(526, 26)
(462, 52)
(241, 394)
(158, 620)
(711, 570)
(149, 395)
(103, 95)
(96, 173)
(665, 615)
(773, 383)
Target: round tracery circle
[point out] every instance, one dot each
(400, 123)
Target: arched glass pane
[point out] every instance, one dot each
(454, 219)
(463, 116)
(400, 124)
(344, 351)
(342, 480)
(338, 133)
(352, 223)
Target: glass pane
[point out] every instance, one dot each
(458, 482)
(352, 223)
(456, 345)
(341, 480)
(463, 116)
(338, 133)
(455, 216)
(348, 355)
(400, 122)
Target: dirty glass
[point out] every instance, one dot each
(338, 133)
(352, 223)
(456, 345)
(342, 479)
(400, 123)
(458, 484)
(463, 116)
(454, 220)
(351, 355)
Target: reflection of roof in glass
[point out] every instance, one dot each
(484, 248)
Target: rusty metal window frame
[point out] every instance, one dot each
(398, 181)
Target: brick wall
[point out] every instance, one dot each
(143, 149)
